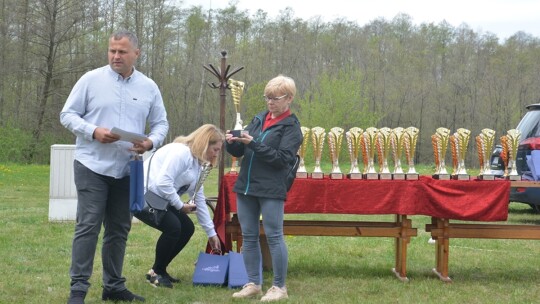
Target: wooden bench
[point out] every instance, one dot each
(442, 230)
(400, 229)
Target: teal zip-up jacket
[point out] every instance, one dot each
(268, 157)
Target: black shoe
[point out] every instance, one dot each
(172, 279)
(158, 280)
(151, 276)
(76, 297)
(124, 295)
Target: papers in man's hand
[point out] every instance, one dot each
(128, 136)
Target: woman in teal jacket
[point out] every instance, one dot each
(269, 151)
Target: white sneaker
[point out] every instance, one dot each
(431, 241)
(275, 294)
(250, 290)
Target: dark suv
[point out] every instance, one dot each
(529, 126)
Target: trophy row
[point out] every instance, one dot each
(459, 142)
(361, 144)
(389, 143)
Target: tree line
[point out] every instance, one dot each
(386, 73)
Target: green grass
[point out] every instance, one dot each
(36, 256)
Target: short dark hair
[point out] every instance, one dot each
(127, 34)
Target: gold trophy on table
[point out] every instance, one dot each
(504, 155)
(396, 143)
(370, 144)
(484, 144)
(317, 139)
(462, 137)
(439, 141)
(410, 140)
(302, 172)
(383, 149)
(237, 89)
(354, 139)
(335, 137)
(513, 136)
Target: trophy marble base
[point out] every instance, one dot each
(486, 177)
(354, 175)
(513, 177)
(441, 176)
(337, 176)
(398, 176)
(371, 176)
(461, 177)
(385, 176)
(317, 175)
(412, 176)
(301, 175)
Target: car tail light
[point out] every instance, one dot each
(532, 143)
(520, 190)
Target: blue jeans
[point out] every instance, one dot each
(249, 209)
(101, 200)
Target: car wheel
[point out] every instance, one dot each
(536, 208)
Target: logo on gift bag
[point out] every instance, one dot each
(212, 269)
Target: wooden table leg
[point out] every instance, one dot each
(401, 242)
(442, 248)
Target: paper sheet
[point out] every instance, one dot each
(128, 136)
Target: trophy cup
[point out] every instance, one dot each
(205, 170)
(454, 151)
(302, 172)
(513, 136)
(396, 143)
(410, 140)
(370, 139)
(237, 89)
(462, 137)
(383, 149)
(317, 139)
(439, 140)
(354, 139)
(335, 137)
(484, 143)
(504, 155)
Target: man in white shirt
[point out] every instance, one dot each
(116, 95)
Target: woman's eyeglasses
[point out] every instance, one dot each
(267, 99)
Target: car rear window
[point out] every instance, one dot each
(529, 126)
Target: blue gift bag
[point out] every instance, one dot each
(211, 270)
(136, 184)
(238, 276)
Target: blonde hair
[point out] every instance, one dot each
(280, 85)
(199, 141)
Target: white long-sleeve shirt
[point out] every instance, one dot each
(172, 167)
(103, 98)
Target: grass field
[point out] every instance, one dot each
(36, 257)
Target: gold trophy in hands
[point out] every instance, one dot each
(383, 150)
(370, 145)
(439, 141)
(513, 137)
(237, 89)
(354, 139)
(396, 143)
(302, 172)
(484, 145)
(462, 137)
(317, 139)
(411, 138)
(335, 137)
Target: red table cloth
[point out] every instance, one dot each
(473, 200)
